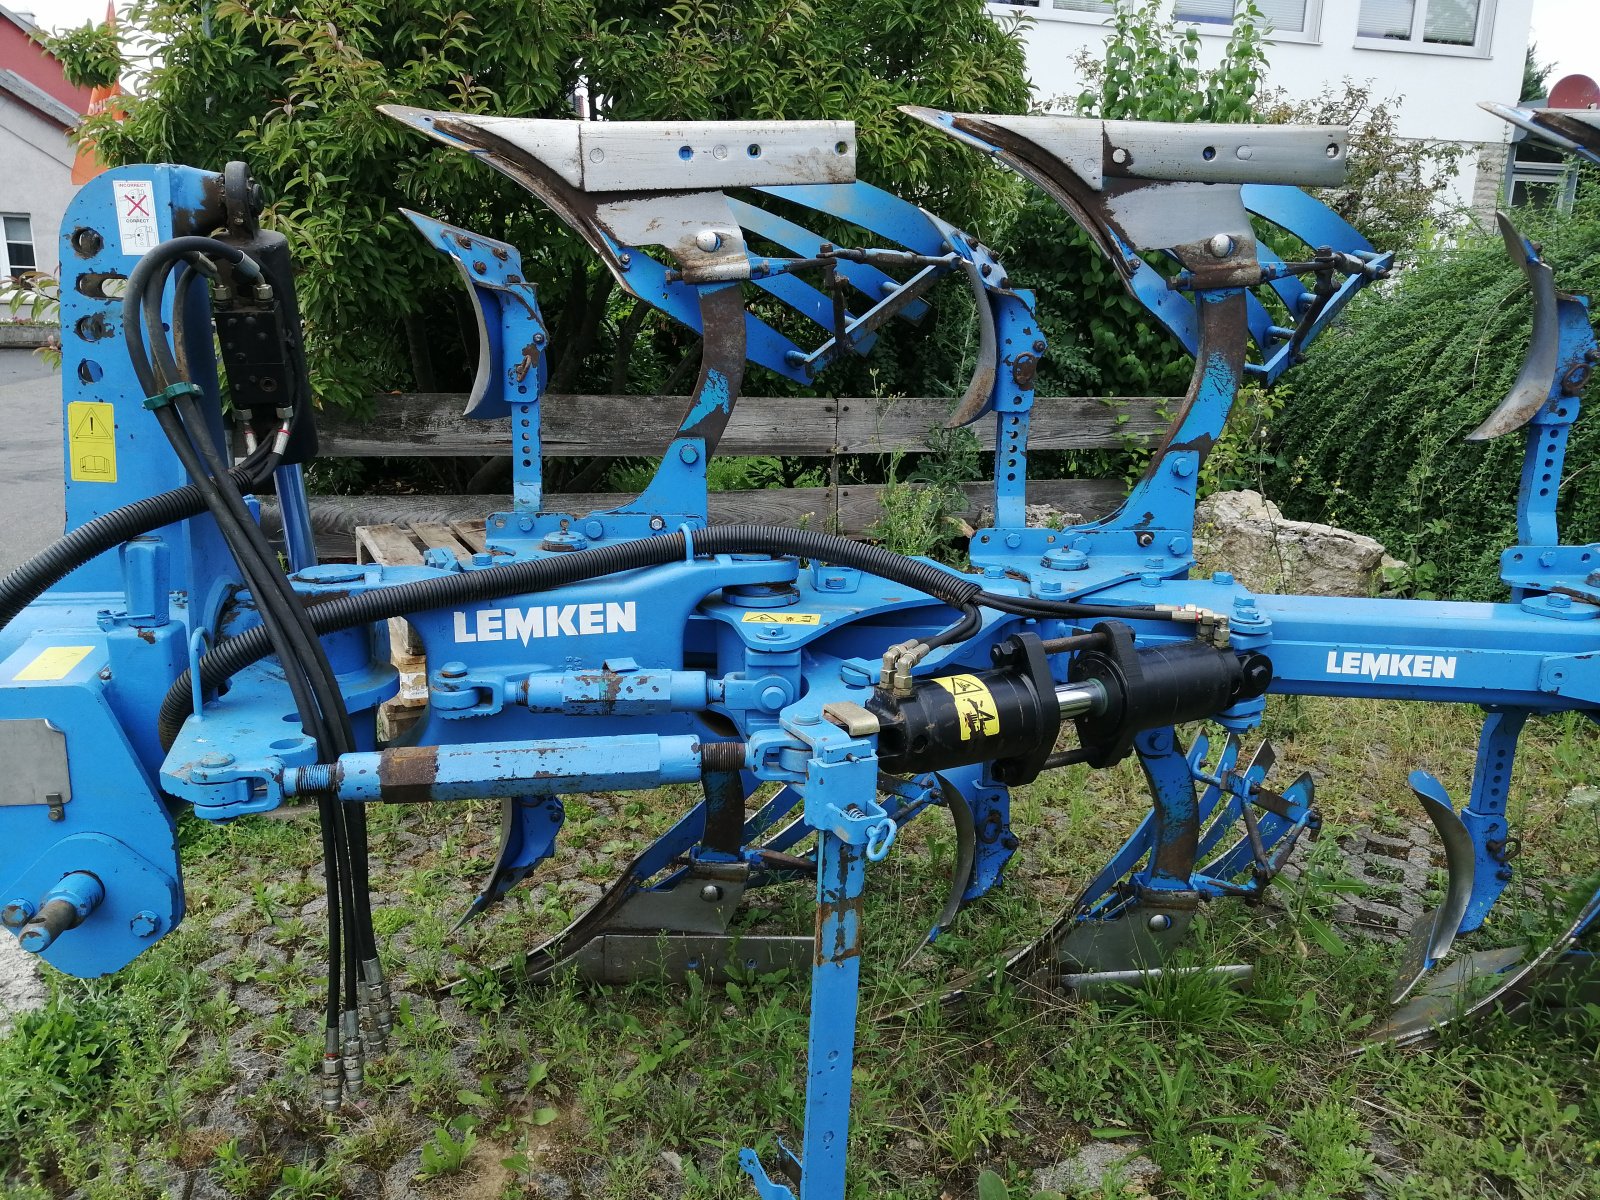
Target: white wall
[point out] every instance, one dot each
(37, 178)
(1439, 91)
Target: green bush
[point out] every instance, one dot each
(1374, 437)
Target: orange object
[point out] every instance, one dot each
(87, 164)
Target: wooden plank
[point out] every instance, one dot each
(389, 545)
(470, 533)
(860, 506)
(873, 426)
(430, 424)
(438, 535)
(771, 506)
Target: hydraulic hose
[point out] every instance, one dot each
(537, 575)
(25, 583)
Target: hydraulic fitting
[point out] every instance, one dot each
(332, 1073)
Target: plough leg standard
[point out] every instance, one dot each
(157, 652)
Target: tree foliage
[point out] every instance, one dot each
(292, 87)
(1376, 426)
(1535, 75)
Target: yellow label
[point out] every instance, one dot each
(781, 618)
(974, 702)
(55, 662)
(92, 441)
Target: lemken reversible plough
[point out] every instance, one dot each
(157, 653)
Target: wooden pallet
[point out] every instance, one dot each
(403, 546)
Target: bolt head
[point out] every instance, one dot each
(594, 529)
(1220, 245)
(217, 759)
(711, 893)
(1558, 600)
(453, 670)
(144, 924)
(772, 698)
(1178, 545)
(689, 454)
(708, 240)
(1013, 540)
(1222, 577)
(658, 523)
(1160, 922)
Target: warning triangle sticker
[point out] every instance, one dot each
(93, 428)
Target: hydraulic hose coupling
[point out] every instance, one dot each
(332, 1073)
(354, 1055)
(375, 1000)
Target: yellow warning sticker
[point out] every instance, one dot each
(975, 703)
(781, 618)
(54, 663)
(92, 441)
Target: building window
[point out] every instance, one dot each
(1283, 16)
(16, 256)
(1436, 26)
(1103, 8)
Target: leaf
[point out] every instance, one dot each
(992, 1187)
(543, 1116)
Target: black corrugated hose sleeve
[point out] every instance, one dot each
(25, 583)
(536, 575)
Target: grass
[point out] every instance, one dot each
(198, 1058)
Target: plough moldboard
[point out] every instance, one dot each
(821, 693)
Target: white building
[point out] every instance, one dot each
(1438, 58)
(37, 109)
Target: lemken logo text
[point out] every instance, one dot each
(1392, 665)
(548, 621)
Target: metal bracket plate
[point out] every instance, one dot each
(35, 754)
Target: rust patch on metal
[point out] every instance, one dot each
(1024, 370)
(846, 940)
(407, 774)
(530, 358)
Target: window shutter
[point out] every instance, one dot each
(1451, 22)
(1286, 15)
(1092, 6)
(1386, 19)
(1210, 11)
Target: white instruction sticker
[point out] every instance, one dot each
(136, 215)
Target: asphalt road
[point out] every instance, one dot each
(31, 508)
(31, 517)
